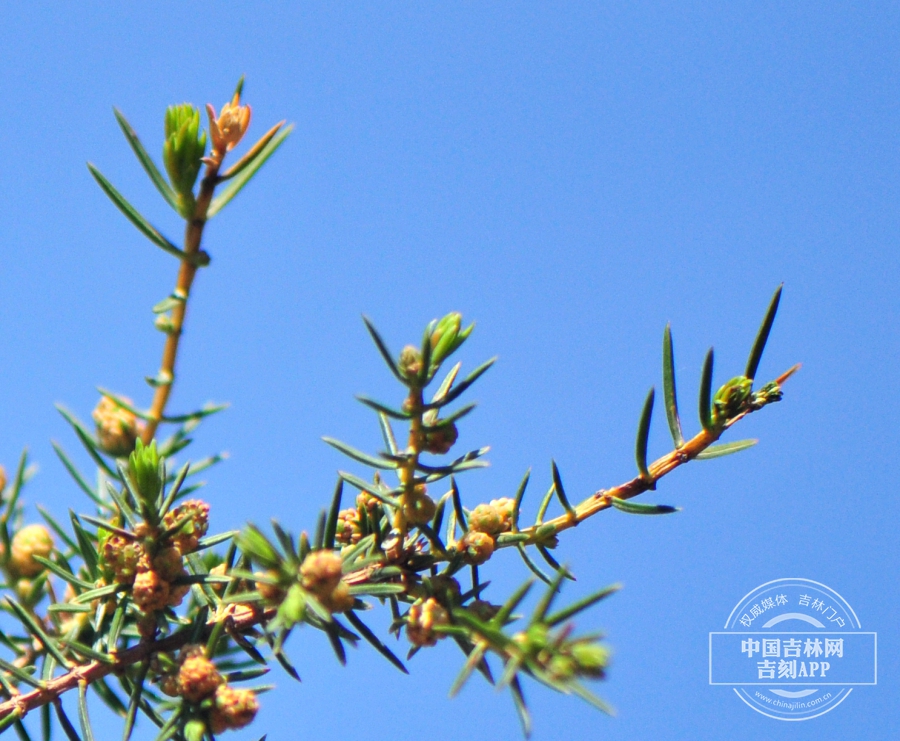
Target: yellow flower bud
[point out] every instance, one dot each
(418, 507)
(122, 556)
(30, 541)
(410, 362)
(234, 708)
(188, 536)
(477, 547)
(421, 619)
(504, 507)
(320, 572)
(348, 530)
(485, 519)
(150, 592)
(117, 428)
(367, 502)
(198, 678)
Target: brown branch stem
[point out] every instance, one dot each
(193, 237)
(242, 621)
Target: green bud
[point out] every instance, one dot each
(294, 606)
(537, 636)
(195, 730)
(183, 149)
(143, 465)
(728, 399)
(177, 116)
(447, 337)
(591, 658)
(163, 323)
(444, 336)
(562, 667)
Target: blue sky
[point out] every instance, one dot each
(571, 176)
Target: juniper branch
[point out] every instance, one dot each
(397, 533)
